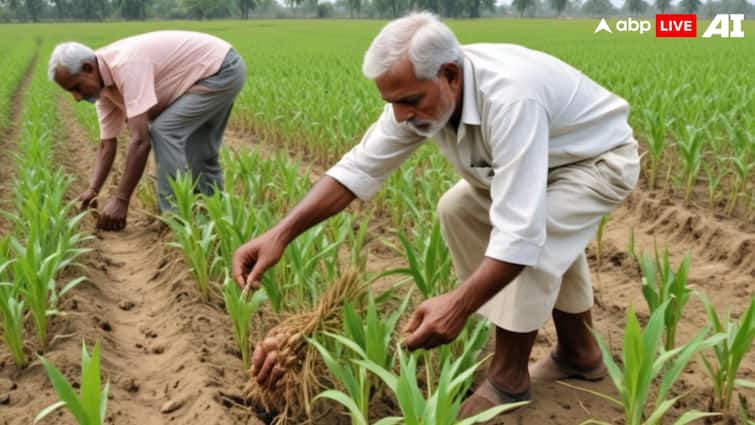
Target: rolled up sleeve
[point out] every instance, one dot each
(111, 118)
(518, 135)
(383, 148)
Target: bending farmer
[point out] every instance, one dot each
(175, 89)
(543, 153)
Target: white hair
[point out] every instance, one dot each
(420, 36)
(69, 55)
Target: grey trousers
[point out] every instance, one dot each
(188, 134)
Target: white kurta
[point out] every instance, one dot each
(524, 114)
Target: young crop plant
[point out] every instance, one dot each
(241, 307)
(197, 243)
(645, 361)
(429, 263)
(364, 338)
(233, 225)
(689, 144)
(714, 179)
(729, 352)
(90, 407)
(11, 310)
(656, 124)
(35, 274)
(439, 406)
(352, 377)
(743, 161)
(185, 197)
(309, 261)
(146, 191)
(371, 333)
(661, 284)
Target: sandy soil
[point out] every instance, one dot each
(171, 359)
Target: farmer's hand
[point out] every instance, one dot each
(254, 257)
(267, 363)
(88, 199)
(437, 321)
(113, 216)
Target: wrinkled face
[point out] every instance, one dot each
(425, 106)
(86, 85)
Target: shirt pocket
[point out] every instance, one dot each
(483, 170)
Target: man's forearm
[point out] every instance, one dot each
(103, 164)
(326, 198)
(136, 161)
(489, 279)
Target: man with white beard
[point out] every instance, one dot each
(543, 151)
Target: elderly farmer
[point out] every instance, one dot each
(175, 89)
(543, 151)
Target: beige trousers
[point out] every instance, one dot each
(577, 197)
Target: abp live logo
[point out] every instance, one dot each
(685, 25)
(680, 25)
(676, 25)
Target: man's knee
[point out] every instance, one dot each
(446, 208)
(451, 206)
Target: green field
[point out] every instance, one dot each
(690, 98)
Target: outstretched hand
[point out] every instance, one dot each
(253, 258)
(436, 321)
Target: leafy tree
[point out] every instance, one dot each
(521, 5)
(558, 6)
(354, 6)
(690, 6)
(451, 8)
(429, 5)
(245, 6)
(598, 8)
(325, 10)
(473, 8)
(34, 9)
(391, 8)
(207, 9)
(635, 7)
(662, 5)
(132, 9)
(62, 8)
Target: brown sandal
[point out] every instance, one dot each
(487, 396)
(551, 369)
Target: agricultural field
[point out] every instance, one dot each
(170, 336)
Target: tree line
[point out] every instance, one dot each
(101, 10)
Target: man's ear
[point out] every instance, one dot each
(452, 72)
(87, 67)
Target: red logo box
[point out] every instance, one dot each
(676, 25)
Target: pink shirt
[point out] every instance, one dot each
(148, 72)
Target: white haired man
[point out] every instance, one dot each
(543, 151)
(175, 89)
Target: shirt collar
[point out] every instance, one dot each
(107, 76)
(470, 113)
